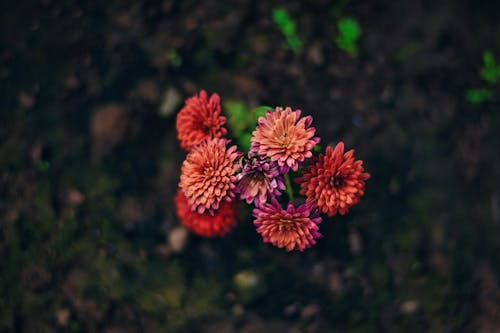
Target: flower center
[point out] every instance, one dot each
(258, 176)
(286, 225)
(283, 138)
(209, 172)
(337, 181)
(206, 126)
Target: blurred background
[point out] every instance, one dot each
(89, 165)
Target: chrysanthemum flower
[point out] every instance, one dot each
(207, 225)
(200, 119)
(293, 228)
(284, 137)
(335, 181)
(208, 175)
(259, 179)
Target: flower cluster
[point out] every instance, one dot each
(215, 176)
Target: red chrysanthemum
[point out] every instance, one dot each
(293, 228)
(207, 225)
(208, 175)
(284, 137)
(335, 181)
(200, 119)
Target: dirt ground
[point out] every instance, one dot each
(89, 165)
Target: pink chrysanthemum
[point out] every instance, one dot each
(208, 175)
(205, 224)
(200, 119)
(293, 228)
(259, 179)
(335, 181)
(284, 137)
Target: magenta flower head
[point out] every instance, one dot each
(284, 137)
(259, 179)
(293, 228)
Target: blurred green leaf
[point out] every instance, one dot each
(287, 27)
(238, 116)
(260, 111)
(488, 59)
(349, 33)
(294, 42)
(479, 95)
(491, 71)
(42, 165)
(174, 58)
(280, 16)
(243, 121)
(244, 141)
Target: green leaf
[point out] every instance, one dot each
(317, 148)
(260, 111)
(43, 165)
(256, 113)
(244, 141)
(287, 27)
(174, 58)
(490, 71)
(294, 43)
(488, 59)
(238, 116)
(280, 16)
(479, 95)
(349, 33)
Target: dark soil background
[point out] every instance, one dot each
(89, 164)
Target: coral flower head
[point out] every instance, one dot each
(259, 179)
(200, 119)
(335, 181)
(284, 137)
(208, 175)
(205, 224)
(291, 228)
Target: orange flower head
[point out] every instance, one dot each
(335, 181)
(293, 228)
(208, 175)
(200, 119)
(284, 137)
(207, 225)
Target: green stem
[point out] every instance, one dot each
(289, 188)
